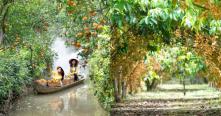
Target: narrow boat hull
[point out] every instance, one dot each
(45, 90)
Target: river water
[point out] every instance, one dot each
(75, 101)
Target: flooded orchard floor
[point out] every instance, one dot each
(75, 101)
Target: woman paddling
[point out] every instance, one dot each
(73, 69)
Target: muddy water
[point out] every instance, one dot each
(76, 101)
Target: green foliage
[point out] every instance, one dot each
(99, 72)
(25, 52)
(146, 17)
(188, 64)
(27, 25)
(172, 61)
(151, 79)
(82, 17)
(178, 61)
(29, 21)
(14, 74)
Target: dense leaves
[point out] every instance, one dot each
(99, 62)
(25, 52)
(14, 74)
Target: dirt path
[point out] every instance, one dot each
(200, 101)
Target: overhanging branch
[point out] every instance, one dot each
(200, 6)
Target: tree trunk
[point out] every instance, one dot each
(153, 84)
(31, 61)
(3, 15)
(1, 35)
(124, 89)
(116, 95)
(119, 86)
(49, 69)
(4, 19)
(184, 87)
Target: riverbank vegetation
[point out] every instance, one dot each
(25, 52)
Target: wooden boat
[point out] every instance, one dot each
(45, 89)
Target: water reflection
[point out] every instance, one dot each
(57, 104)
(76, 101)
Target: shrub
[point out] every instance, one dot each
(99, 72)
(14, 74)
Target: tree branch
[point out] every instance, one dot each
(200, 6)
(4, 11)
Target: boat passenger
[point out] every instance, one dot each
(73, 69)
(58, 74)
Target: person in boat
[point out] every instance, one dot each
(73, 69)
(58, 74)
